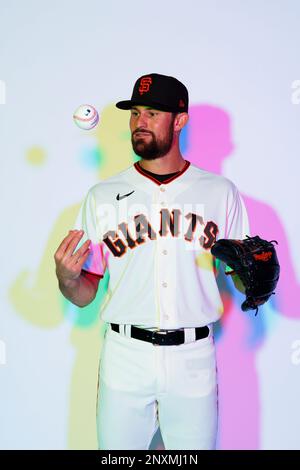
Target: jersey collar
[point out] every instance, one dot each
(142, 172)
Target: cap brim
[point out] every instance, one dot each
(128, 104)
(124, 104)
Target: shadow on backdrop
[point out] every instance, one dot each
(36, 297)
(239, 335)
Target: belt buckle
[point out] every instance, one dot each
(155, 335)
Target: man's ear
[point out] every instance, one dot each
(180, 121)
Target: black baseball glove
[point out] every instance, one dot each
(255, 262)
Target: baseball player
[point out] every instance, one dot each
(151, 227)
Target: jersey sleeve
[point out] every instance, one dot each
(87, 221)
(237, 226)
(237, 221)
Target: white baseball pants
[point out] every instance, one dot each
(142, 386)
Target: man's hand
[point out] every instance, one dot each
(68, 263)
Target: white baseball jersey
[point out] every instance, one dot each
(156, 239)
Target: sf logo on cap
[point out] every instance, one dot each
(145, 85)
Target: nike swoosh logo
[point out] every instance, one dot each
(125, 195)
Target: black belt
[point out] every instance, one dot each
(161, 337)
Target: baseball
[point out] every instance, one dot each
(86, 117)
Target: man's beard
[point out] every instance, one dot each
(152, 148)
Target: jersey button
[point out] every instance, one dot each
(164, 284)
(166, 317)
(162, 203)
(165, 252)
(162, 188)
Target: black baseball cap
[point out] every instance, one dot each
(160, 92)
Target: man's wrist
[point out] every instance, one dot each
(68, 283)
